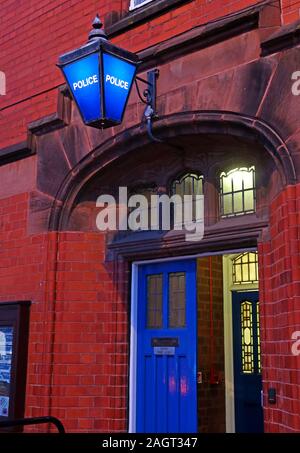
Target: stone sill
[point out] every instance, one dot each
(141, 15)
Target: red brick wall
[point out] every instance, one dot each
(45, 29)
(78, 321)
(279, 267)
(90, 334)
(290, 11)
(23, 277)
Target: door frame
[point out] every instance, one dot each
(133, 330)
(228, 287)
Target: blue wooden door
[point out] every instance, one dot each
(166, 348)
(247, 362)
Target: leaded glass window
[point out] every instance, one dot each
(245, 268)
(237, 192)
(247, 337)
(188, 184)
(154, 301)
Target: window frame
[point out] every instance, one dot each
(133, 7)
(16, 314)
(178, 181)
(182, 177)
(248, 262)
(242, 191)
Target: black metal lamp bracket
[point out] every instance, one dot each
(149, 99)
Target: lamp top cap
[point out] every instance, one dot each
(97, 32)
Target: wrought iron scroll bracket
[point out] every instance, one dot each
(149, 99)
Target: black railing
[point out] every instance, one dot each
(33, 421)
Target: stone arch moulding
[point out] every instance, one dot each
(168, 127)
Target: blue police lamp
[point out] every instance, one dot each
(100, 76)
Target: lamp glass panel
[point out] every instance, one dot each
(83, 79)
(118, 76)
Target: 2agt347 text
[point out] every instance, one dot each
(171, 442)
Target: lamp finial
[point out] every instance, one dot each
(97, 32)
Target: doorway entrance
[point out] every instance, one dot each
(194, 338)
(166, 373)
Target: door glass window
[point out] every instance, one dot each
(247, 337)
(154, 301)
(177, 300)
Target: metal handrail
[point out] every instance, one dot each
(33, 421)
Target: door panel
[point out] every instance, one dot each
(247, 363)
(166, 350)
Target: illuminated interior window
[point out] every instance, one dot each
(188, 184)
(258, 337)
(247, 338)
(245, 268)
(237, 192)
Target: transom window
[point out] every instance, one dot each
(237, 192)
(245, 268)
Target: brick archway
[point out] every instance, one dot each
(217, 123)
